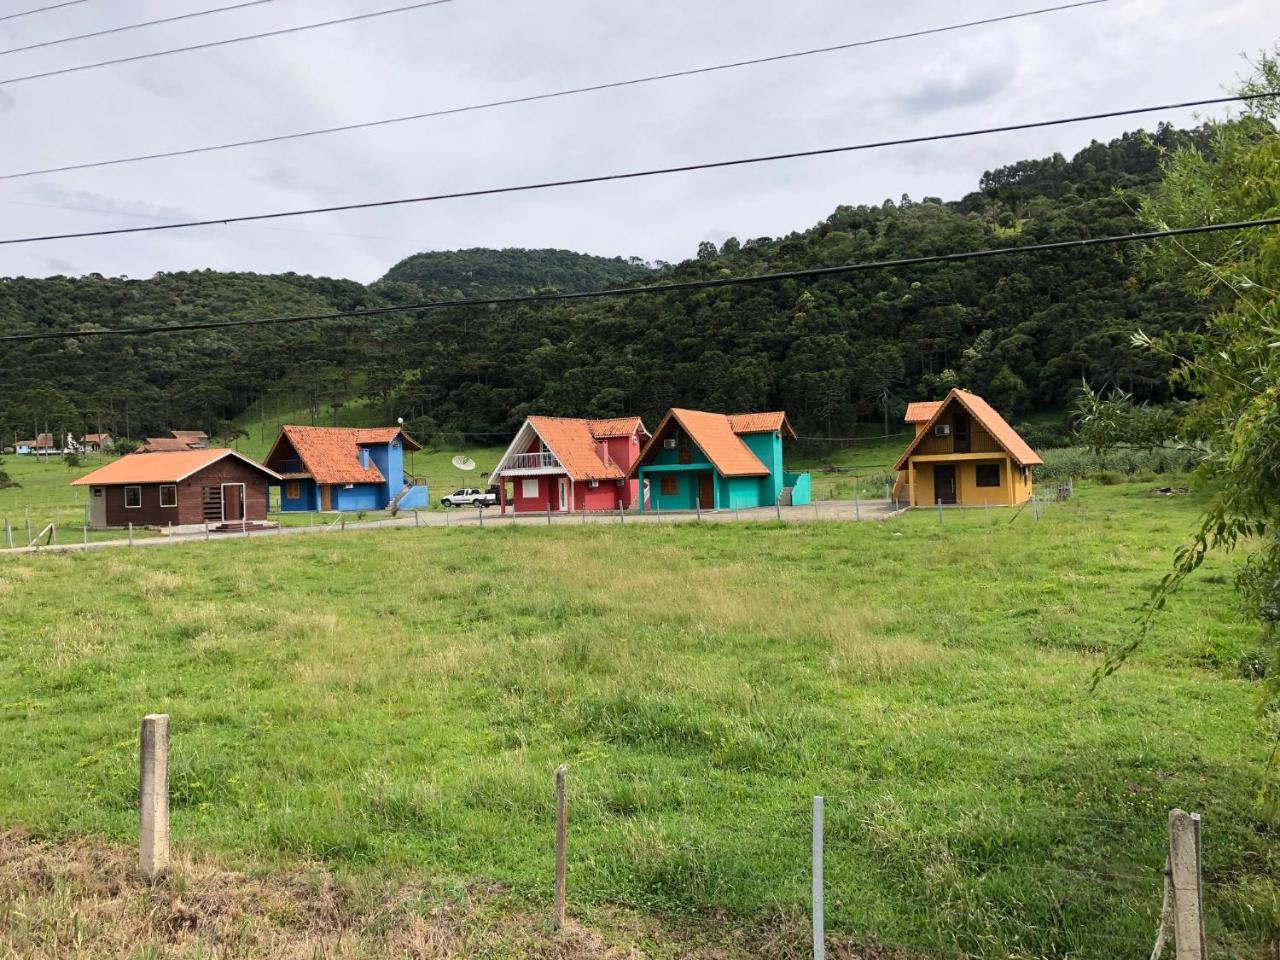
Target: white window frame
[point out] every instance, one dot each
(530, 487)
(174, 488)
(132, 506)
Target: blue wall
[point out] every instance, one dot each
(308, 497)
(360, 496)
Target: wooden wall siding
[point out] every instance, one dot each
(191, 508)
(979, 441)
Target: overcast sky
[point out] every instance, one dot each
(1118, 54)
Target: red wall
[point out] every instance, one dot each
(583, 496)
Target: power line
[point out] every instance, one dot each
(551, 95)
(133, 26)
(52, 6)
(661, 288)
(222, 43)
(631, 175)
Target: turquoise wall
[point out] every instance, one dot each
(730, 492)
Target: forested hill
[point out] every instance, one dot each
(481, 272)
(1023, 329)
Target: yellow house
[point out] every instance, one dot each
(963, 453)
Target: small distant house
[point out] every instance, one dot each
(164, 445)
(345, 468)
(24, 446)
(963, 453)
(44, 445)
(182, 488)
(715, 461)
(96, 442)
(570, 464)
(194, 439)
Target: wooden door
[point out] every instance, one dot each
(706, 491)
(944, 482)
(233, 501)
(325, 498)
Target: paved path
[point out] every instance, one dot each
(822, 510)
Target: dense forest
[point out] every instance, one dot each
(1022, 330)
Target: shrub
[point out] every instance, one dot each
(1253, 664)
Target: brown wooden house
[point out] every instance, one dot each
(190, 487)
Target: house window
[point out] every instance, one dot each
(528, 487)
(988, 474)
(669, 486)
(168, 495)
(293, 490)
(133, 497)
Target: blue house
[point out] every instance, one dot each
(345, 468)
(716, 461)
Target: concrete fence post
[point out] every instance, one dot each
(153, 796)
(84, 532)
(697, 505)
(888, 492)
(857, 507)
(131, 533)
(622, 517)
(939, 510)
(1184, 868)
(415, 519)
(819, 925)
(30, 535)
(206, 531)
(480, 514)
(562, 836)
(342, 518)
(8, 533)
(777, 509)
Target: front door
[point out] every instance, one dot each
(944, 482)
(706, 492)
(564, 494)
(325, 497)
(233, 501)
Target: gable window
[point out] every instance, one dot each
(669, 486)
(988, 474)
(293, 490)
(169, 495)
(133, 497)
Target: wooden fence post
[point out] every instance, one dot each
(480, 514)
(888, 494)
(153, 796)
(30, 537)
(562, 832)
(622, 518)
(415, 519)
(342, 517)
(777, 509)
(206, 530)
(697, 505)
(819, 927)
(1184, 866)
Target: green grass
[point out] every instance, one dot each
(46, 494)
(394, 702)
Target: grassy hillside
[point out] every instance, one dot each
(391, 704)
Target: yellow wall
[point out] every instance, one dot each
(968, 493)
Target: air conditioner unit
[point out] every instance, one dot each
(942, 430)
(593, 484)
(670, 443)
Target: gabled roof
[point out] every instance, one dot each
(575, 445)
(165, 445)
(189, 435)
(773, 422)
(921, 410)
(332, 454)
(990, 421)
(44, 440)
(138, 468)
(95, 437)
(616, 427)
(714, 435)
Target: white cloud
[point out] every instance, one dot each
(1118, 54)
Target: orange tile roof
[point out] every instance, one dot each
(772, 422)
(714, 436)
(160, 467)
(921, 411)
(332, 454)
(165, 445)
(615, 427)
(989, 419)
(94, 437)
(574, 445)
(190, 434)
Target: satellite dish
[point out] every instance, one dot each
(464, 463)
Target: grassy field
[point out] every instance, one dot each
(389, 706)
(46, 495)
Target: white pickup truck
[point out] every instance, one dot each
(471, 497)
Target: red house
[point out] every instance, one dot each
(565, 465)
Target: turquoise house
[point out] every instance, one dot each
(715, 461)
